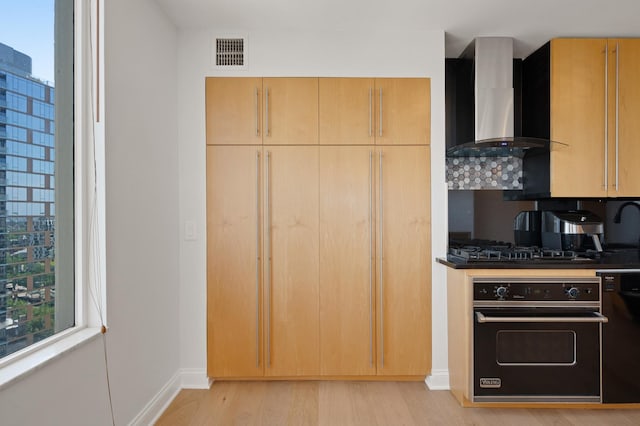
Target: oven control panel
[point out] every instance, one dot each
(588, 291)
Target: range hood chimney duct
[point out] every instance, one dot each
(493, 87)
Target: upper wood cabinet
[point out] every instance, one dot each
(290, 111)
(403, 111)
(308, 111)
(254, 111)
(234, 111)
(624, 110)
(592, 104)
(578, 118)
(382, 111)
(347, 111)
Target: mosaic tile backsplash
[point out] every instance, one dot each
(484, 173)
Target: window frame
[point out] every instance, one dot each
(88, 201)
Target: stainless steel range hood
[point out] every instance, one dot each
(491, 68)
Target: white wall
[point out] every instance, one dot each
(70, 391)
(380, 53)
(142, 201)
(142, 238)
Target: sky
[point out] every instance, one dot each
(27, 26)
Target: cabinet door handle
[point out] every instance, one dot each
(370, 112)
(617, 115)
(258, 259)
(606, 117)
(257, 113)
(381, 228)
(266, 112)
(268, 254)
(380, 114)
(370, 257)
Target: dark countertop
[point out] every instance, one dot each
(616, 259)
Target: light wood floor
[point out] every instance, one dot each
(338, 403)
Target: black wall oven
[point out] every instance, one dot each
(537, 340)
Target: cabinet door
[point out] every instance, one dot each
(290, 111)
(291, 269)
(347, 244)
(402, 111)
(234, 346)
(346, 111)
(404, 261)
(624, 95)
(233, 110)
(578, 118)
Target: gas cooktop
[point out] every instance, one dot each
(497, 252)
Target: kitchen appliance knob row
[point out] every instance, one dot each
(516, 291)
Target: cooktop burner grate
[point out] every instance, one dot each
(509, 253)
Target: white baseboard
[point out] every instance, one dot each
(152, 411)
(195, 378)
(438, 380)
(186, 378)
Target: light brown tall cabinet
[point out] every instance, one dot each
(262, 268)
(318, 248)
(347, 260)
(403, 262)
(291, 261)
(375, 269)
(234, 264)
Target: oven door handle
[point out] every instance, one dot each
(598, 317)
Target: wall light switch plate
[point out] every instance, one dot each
(190, 230)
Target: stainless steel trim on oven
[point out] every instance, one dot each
(535, 398)
(537, 304)
(597, 317)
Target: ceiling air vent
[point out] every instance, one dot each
(230, 52)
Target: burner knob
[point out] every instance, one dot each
(501, 292)
(572, 292)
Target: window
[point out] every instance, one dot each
(37, 270)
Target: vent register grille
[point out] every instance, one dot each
(230, 52)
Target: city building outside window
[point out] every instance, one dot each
(37, 279)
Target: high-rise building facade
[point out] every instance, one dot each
(27, 204)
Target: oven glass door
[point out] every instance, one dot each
(536, 354)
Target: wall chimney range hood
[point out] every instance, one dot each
(483, 91)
